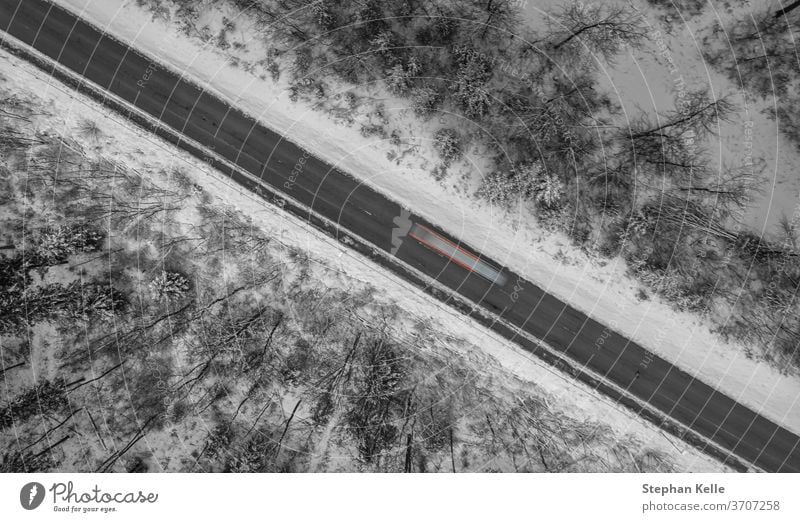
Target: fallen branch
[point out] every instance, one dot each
(48, 432)
(285, 429)
(110, 461)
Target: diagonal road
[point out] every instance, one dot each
(630, 375)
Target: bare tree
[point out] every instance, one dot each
(674, 148)
(90, 130)
(762, 55)
(602, 29)
(500, 14)
(698, 112)
(730, 189)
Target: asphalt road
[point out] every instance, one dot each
(369, 215)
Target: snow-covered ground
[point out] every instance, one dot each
(649, 80)
(124, 143)
(600, 290)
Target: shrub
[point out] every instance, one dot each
(302, 63)
(400, 78)
(94, 300)
(448, 145)
(169, 286)
(474, 73)
(549, 191)
(45, 397)
(424, 101)
(373, 130)
(523, 182)
(56, 244)
(323, 14)
(90, 130)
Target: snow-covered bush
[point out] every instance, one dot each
(169, 286)
(400, 78)
(424, 101)
(323, 15)
(56, 244)
(474, 72)
(500, 188)
(524, 182)
(373, 130)
(549, 190)
(93, 300)
(448, 145)
(382, 41)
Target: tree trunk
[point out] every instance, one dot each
(407, 468)
(452, 456)
(788, 9)
(489, 19)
